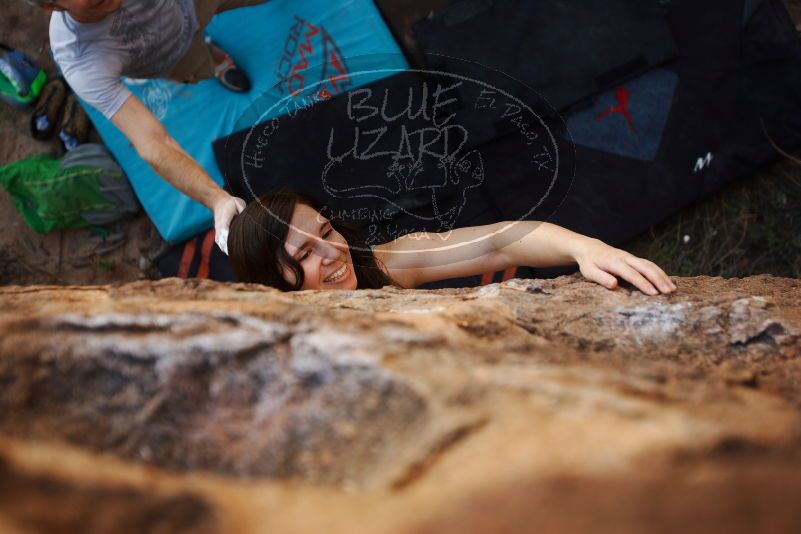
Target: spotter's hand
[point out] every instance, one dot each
(224, 212)
(602, 264)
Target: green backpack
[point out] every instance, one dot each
(85, 188)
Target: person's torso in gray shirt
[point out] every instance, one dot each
(143, 39)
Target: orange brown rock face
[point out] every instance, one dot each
(36, 502)
(204, 407)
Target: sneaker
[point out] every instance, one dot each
(45, 118)
(75, 127)
(225, 70)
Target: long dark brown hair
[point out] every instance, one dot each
(257, 236)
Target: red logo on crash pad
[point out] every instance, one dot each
(311, 57)
(622, 95)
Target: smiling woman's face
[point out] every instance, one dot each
(322, 252)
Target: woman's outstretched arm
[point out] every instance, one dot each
(419, 258)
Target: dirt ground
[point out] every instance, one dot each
(81, 257)
(60, 257)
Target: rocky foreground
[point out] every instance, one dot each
(529, 406)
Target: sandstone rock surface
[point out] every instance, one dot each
(548, 406)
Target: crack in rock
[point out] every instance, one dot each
(751, 322)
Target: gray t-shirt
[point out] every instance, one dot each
(143, 39)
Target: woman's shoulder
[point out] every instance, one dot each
(396, 258)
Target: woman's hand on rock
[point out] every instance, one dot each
(600, 263)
